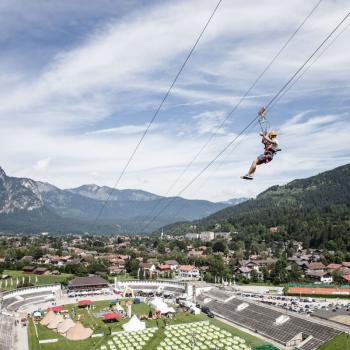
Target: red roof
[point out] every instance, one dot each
(164, 267)
(186, 268)
(55, 308)
(316, 266)
(112, 316)
(85, 302)
(334, 266)
(346, 278)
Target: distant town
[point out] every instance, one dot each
(208, 256)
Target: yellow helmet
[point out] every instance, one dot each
(272, 133)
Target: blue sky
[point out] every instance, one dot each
(80, 80)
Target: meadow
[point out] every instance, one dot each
(88, 318)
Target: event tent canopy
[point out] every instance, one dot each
(47, 319)
(64, 326)
(55, 308)
(112, 316)
(134, 325)
(55, 321)
(79, 332)
(161, 306)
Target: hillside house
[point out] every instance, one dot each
(188, 272)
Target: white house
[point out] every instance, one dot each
(188, 272)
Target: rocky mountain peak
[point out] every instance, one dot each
(2, 173)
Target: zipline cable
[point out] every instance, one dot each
(157, 110)
(215, 133)
(276, 102)
(268, 106)
(311, 64)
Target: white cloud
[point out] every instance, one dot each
(208, 122)
(117, 75)
(124, 130)
(42, 164)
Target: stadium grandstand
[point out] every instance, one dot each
(154, 286)
(288, 331)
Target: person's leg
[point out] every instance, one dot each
(253, 167)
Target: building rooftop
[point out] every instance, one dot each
(88, 281)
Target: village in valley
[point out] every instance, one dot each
(207, 256)
(174, 175)
(87, 287)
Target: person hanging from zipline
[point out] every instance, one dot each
(270, 143)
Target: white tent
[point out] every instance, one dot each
(195, 310)
(134, 325)
(160, 305)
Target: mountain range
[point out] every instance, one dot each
(31, 206)
(315, 210)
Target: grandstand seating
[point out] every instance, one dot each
(8, 302)
(14, 303)
(311, 344)
(218, 294)
(153, 286)
(261, 319)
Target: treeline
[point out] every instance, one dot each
(315, 211)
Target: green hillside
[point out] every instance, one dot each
(315, 210)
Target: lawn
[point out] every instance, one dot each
(341, 342)
(89, 320)
(37, 280)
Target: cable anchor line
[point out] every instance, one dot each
(229, 115)
(157, 112)
(268, 106)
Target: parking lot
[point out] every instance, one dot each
(325, 308)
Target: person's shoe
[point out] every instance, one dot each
(247, 177)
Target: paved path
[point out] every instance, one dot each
(21, 338)
(6, 332)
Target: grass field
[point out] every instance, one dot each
(89, 320)
(37, 280)
(341, 342)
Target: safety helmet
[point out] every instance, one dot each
(272, 133)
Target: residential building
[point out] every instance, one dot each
(207, 236)
(172, 263)
(187, 272)
(192, 236)
(313, 267)
(333, 267)
(224, 235)
(244, 272)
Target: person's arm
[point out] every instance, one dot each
(266, 138)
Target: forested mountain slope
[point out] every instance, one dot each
(315, 210)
